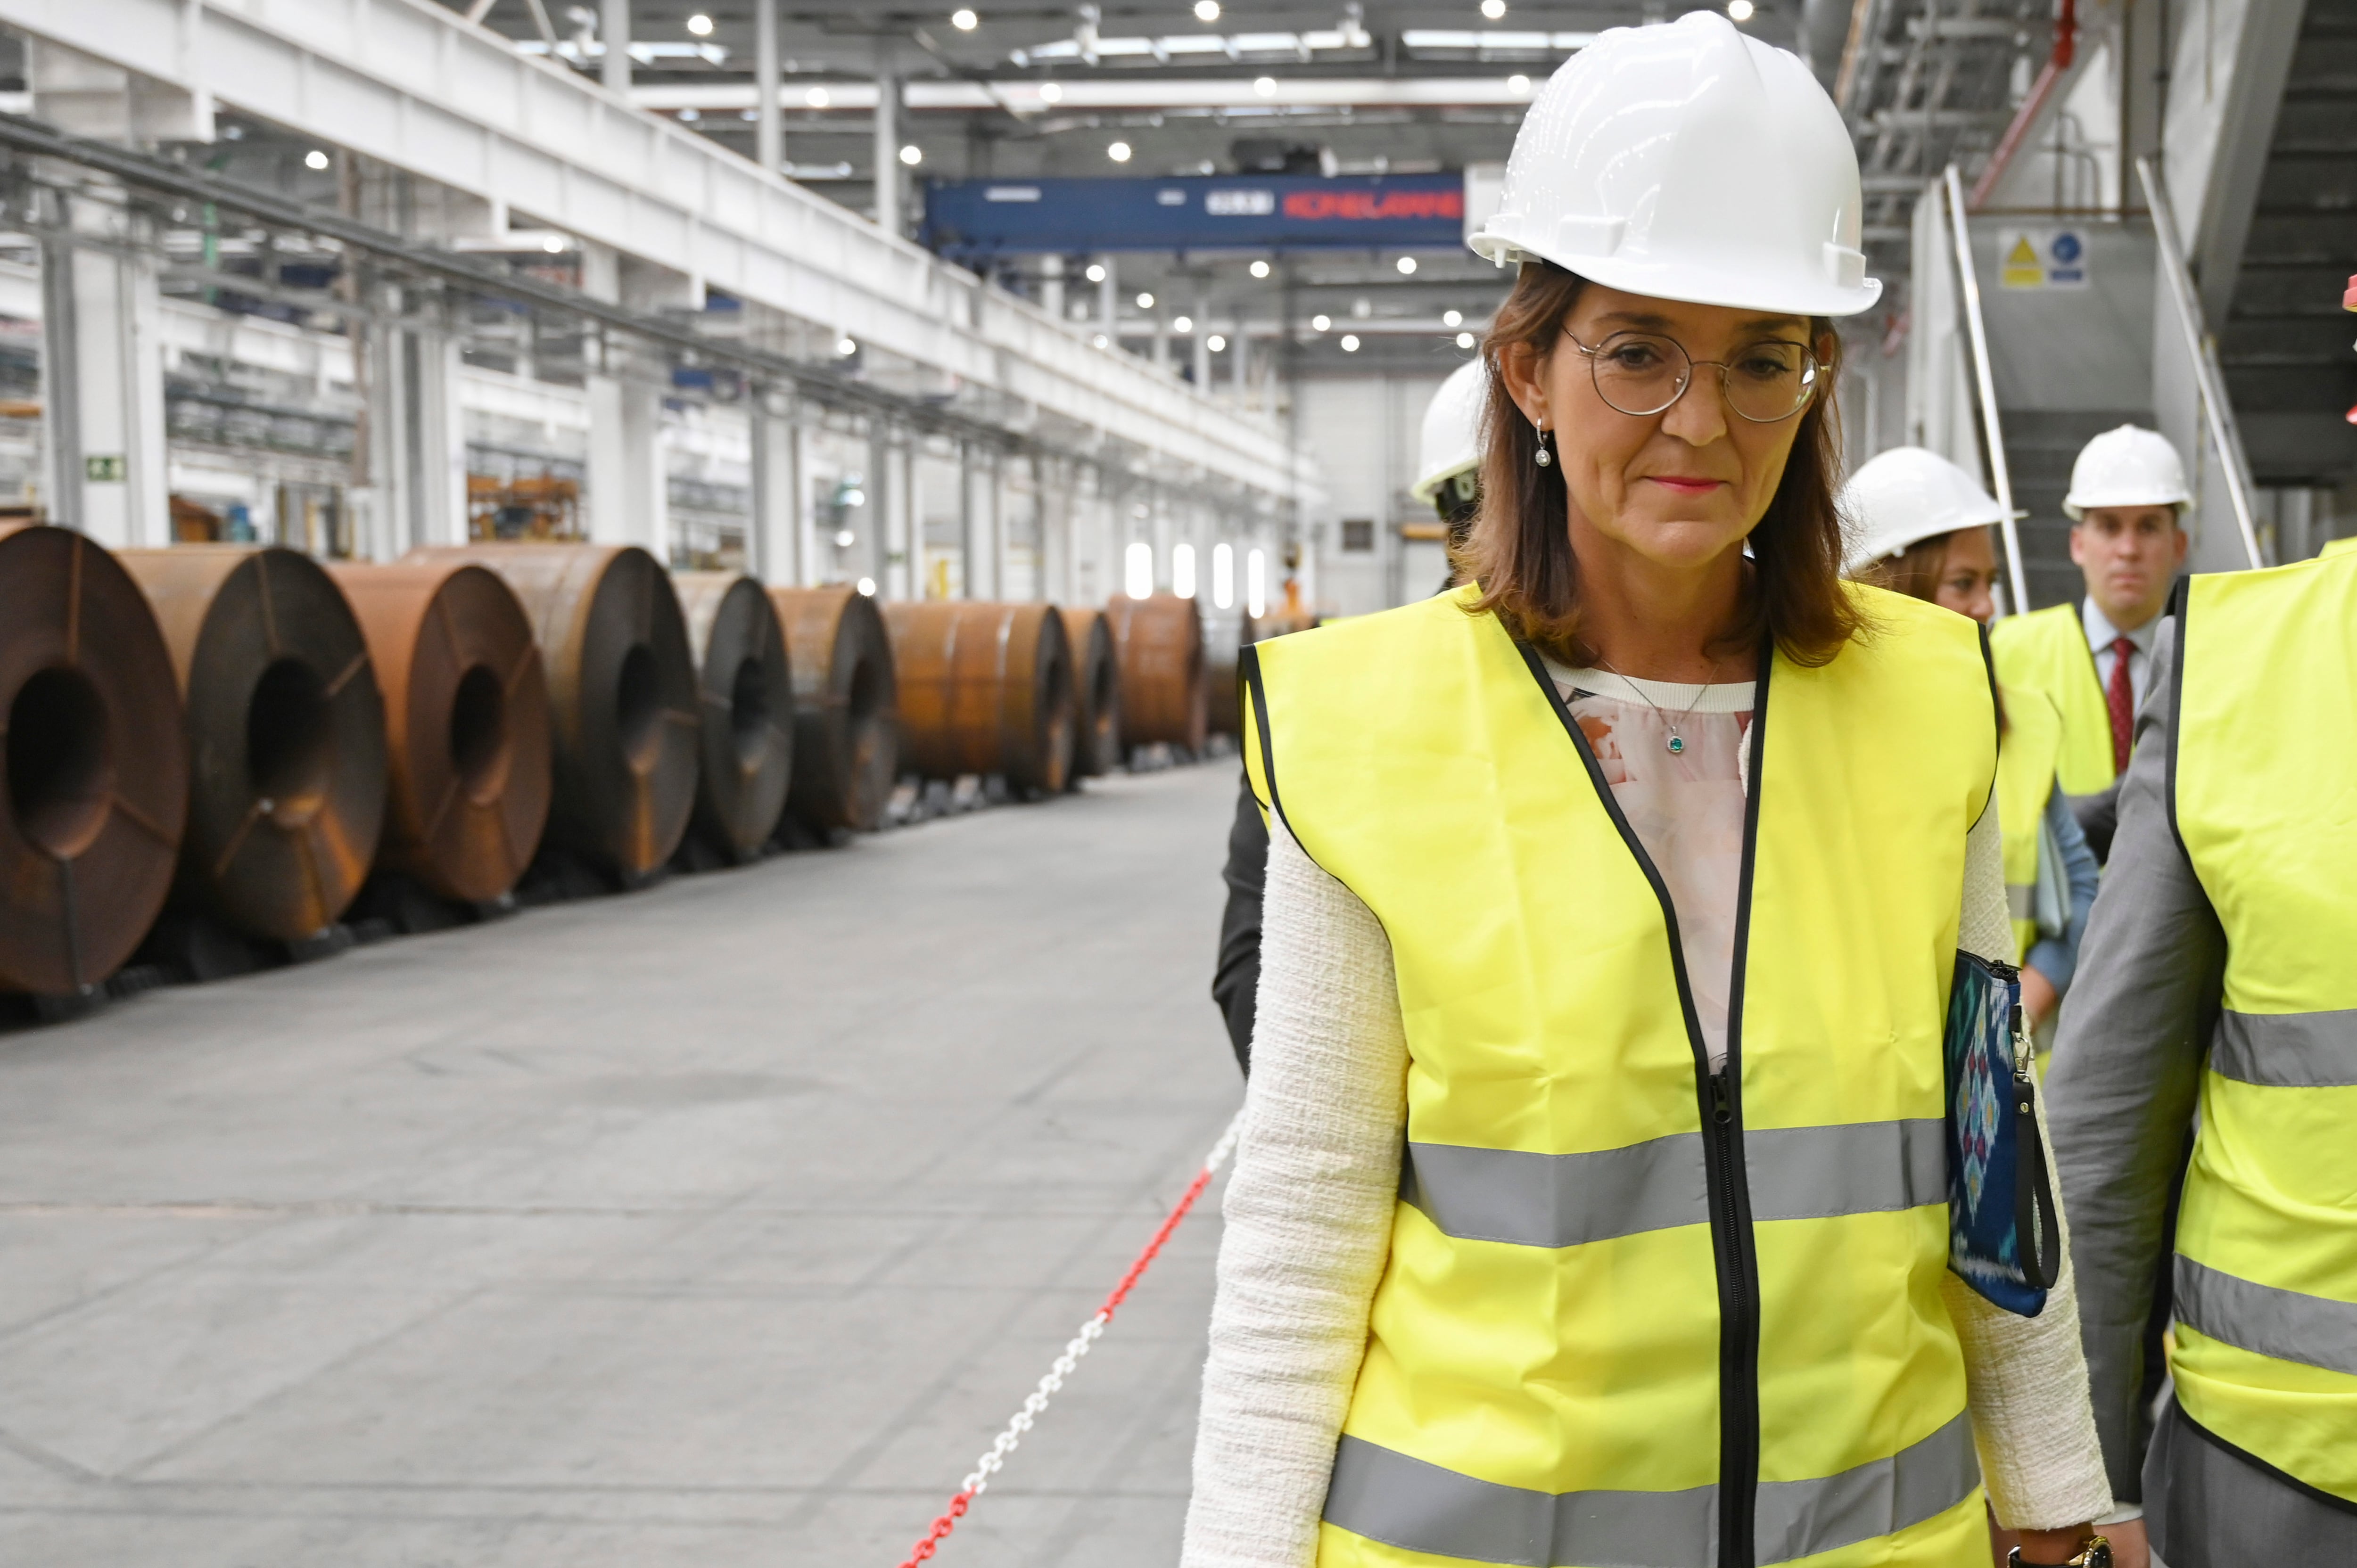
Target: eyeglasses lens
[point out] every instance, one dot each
(1642, 374)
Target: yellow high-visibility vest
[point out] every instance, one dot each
(2026, 761)
(2047, 651)
(1634, 1310)
(2337, 547)
(2264, 795)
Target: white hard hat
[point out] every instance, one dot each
(1904, 496)
(1688, 162)
(1452, 429)
(2127, 466)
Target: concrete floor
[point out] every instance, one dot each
(724, 1223)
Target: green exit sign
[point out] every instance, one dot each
(104, 468)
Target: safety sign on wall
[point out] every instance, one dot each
(2042, 258)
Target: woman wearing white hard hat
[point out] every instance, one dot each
(1920, 525)
(1591, 1207)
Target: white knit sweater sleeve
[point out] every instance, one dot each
(2024, 1378)
(1308, 1226)
(1309, 1221)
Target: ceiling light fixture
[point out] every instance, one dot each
(1265, 86)
(1464, 339)
(1452, 317)
(1144, 302)
(315, 158)
(553, 244)
(1183, 325)
(1349, 342)
(1051, 93)
(1215, 343)
(816, 98)
(964, 20)
(700, 24)
(846, 346)
(1118, 152)
(1320, 323)
(1095, 273)
(867, 586)
(1738, 10)
(912, 154)
(1207, 10)
(1407, 266)
(1260, 269)
(1517, 84)
(1493, 9)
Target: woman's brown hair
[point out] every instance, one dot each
(1520, 549)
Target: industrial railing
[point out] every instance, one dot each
(2209, 379)
(1968, 292)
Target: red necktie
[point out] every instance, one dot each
(2120, 697)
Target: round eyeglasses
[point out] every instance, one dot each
(1642, 373)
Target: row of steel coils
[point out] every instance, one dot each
(248, 737)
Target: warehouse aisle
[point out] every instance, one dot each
(720, 1224)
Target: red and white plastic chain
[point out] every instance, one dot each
(995, 1458)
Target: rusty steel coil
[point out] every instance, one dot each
(1096, 692)
(286, 751)
(622, 695)
(466, 722)
(846, 707)
(97, 763)
(1159, 642)
(747, 709)
(984, 688)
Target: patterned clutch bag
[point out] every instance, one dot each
(2003, 1238)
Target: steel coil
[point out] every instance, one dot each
(286, 747)
(846, 707)
(1223, 634)
(1159, 643)
(97, 763)
(984, 688)
(1096, 690)
(466, 722)
(748, 733)
(622, 690)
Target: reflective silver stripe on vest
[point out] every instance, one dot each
(1566, 1200)
(2289, 1324)
(2287, 1050)
(2021, 900)
(1386, 1495)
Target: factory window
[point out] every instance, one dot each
(1358, 534)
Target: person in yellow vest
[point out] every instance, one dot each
(2093, 659)
(2219, 1000)
(1919, 525)
(1590, 1205)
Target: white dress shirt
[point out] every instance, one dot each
(2102, 634)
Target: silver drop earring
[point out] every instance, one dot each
(1545, 458)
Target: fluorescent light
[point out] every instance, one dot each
(1137, 571)
(1182, 571)
(1223, 574)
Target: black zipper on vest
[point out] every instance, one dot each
(1719, 1096)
